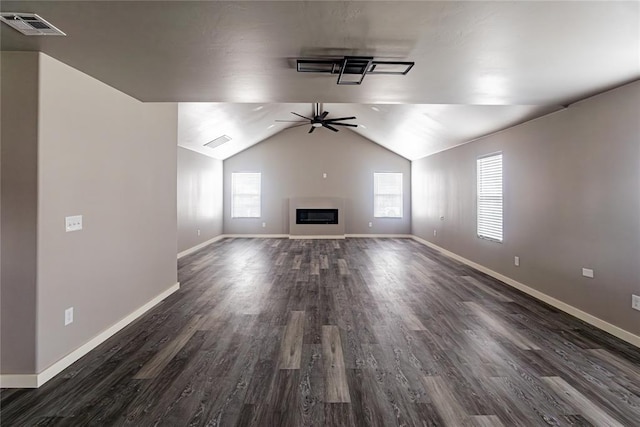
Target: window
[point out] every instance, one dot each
(387, 195)
(490, 197)
(245, 195)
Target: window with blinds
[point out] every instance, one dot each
(387, 195)
(490, 197)
(245, 195)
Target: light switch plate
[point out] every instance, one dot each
(73, 223)
(635, 302)
(516, 261)
(587, 272)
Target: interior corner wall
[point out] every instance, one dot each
(571, 200)
(18, 212)
(112, 159)
(199, 198)
(292, 164)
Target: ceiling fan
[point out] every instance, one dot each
(319, 119)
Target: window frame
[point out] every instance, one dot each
(482, 197)
(376, 194)
(233, 194)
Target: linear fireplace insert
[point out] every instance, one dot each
(316, 216)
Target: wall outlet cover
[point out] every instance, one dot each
(635, 302)
(587, 272)
(516, 261)
(68, 316)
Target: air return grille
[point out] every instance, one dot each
(218, 141)
(30, 24)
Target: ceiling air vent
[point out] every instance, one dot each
(30, 24)
(218, 141)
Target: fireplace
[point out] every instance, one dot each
(316, 216)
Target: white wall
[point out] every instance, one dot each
(292, 163)
(199, 198)
(571, 200)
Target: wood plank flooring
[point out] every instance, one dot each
(360, 332)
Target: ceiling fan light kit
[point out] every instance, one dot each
(357, 66)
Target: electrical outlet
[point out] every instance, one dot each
(198, 232)
(324, 175)
(516, 261)
(73, 223)
(587, 272)
(370, 224)
(68, 316)
(635, 302)
(435, 233)
(264, 225)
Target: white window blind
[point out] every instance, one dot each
(490, 197)
(387, 195)
(245, 195)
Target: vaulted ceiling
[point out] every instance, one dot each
(480, 66)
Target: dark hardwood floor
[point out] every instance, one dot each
(381, 332)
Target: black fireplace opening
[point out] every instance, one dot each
(316, 216)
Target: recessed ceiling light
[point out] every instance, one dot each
(362, 126)
(375, 108)
(271, 126)
(258, 108)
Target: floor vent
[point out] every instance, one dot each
(218, 141)
(30, 24)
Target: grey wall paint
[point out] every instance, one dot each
(292, 163)
(112, 159)
(19, 141)
(199, 198)
(572, 200)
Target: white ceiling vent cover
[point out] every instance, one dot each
(30, 24)
(218, 141)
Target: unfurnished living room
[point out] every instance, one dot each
(320, 213)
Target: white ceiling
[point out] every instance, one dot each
(480, 66)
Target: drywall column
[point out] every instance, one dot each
(112, 159)
(19, 76)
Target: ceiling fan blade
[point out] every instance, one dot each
(324, 115)
(330, 127)
(312, 129)
(296, 126)
(344, 124)
(291, 121)
(339, 118)
(301, 116)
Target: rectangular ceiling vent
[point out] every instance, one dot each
(218, 141)
(30, 24)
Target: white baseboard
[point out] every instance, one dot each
(318, 237)
(569, 309)
(379, 236)
(200, 246)
(255, 236)
(36, 380)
